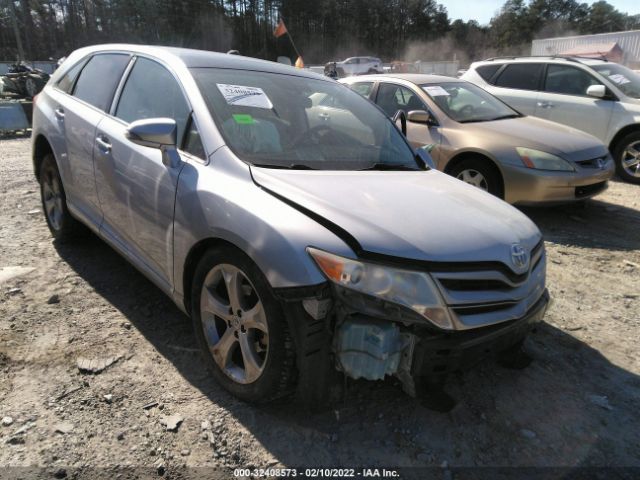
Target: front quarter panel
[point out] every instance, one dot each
(221, 201)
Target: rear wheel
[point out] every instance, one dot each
(240, 327)
(54, 202)
(479, 173)
(627, 158)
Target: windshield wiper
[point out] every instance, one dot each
(504, 117)
(390, 166)
(292, 166)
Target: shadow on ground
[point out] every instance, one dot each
(592, 224)
(570, 407)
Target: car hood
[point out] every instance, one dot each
(540, 134)
(425, 215)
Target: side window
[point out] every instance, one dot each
(488, 71)
(192, 141)
(66, 82)
(363, 89)
(392, 98)
(152, 92)
(524, 76)
(99, 78)
(568, 80)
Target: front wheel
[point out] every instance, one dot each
(480, 174)
(240, 327)
(627, 158)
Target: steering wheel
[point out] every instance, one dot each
(313, 134)
(467, 111)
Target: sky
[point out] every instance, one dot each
(483, 10)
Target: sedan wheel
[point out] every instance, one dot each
(475, 178)
(627, 157)
(631, 159)
(234, 323)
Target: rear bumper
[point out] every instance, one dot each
(436, 356)
(525, 186)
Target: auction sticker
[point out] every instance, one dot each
(619, 79)
(436, 91)
(244, 96)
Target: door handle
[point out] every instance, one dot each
(59, 113)
(546, 105)
(103, 144)
(324, 116)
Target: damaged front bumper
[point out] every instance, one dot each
(370, 342)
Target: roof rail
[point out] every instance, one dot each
(568, 58)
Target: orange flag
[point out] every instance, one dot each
(299, 63)
(280, 29)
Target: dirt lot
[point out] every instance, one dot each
(576, 405)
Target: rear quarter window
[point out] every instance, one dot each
(486, 72)
(68, 79)
(99, 78)
(523, 76)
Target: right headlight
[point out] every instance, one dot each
(412, 289)
(543, 161)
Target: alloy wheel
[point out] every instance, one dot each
(475, 178)
(631, 159)
(52, 196)
(234, 323)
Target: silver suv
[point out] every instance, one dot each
(599, 97)
(298, 246)
(357, 66)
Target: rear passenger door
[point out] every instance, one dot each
(564, 100)
(517, 84)
(136, 190)
(78, 115)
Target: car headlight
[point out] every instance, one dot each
(411, 289)
(543, 160)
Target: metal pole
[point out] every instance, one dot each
(16, 31)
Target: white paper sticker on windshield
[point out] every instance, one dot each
(244, 96)
(436, 91)
(619, 79)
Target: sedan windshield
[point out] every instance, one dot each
(626, 80)
(466, 103)
(289, 121)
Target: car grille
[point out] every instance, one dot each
(594, 163)
(479, 297)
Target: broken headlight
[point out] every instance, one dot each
(412, 289)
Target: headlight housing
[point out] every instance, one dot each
(412, 289)
(543, 161)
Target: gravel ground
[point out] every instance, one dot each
(577, 405)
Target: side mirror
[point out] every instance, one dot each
(424, 156)
(598, 91)
(400, 115)
(160, 133)
(421, 116)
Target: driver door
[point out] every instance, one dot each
(391, 98)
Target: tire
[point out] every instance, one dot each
(627, 164)
(31, 87)
(231, 342)
(62, 225)
(480, 173)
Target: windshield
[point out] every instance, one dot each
(465, 103)
(287, 121)
(626, 80)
